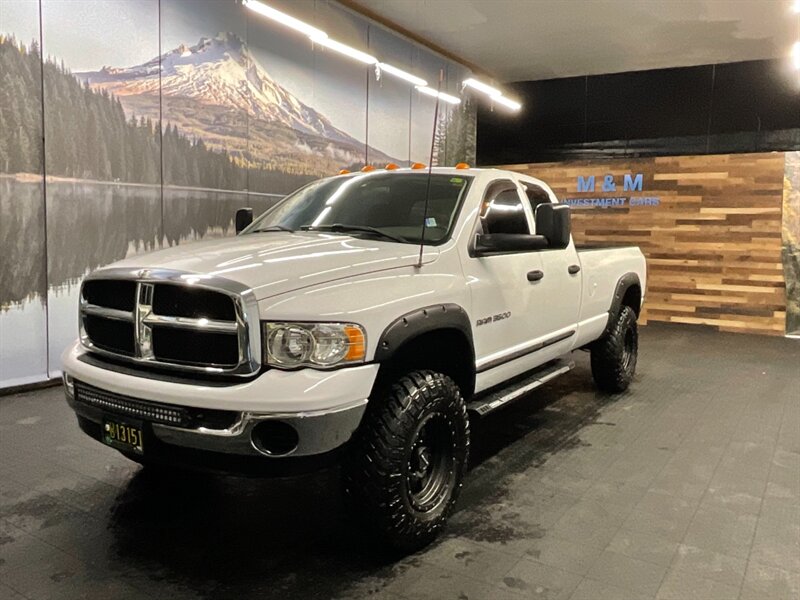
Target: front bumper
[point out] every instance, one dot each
(324, 408)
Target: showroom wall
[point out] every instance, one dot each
(751, 106)
(720, 232)
(130, 125)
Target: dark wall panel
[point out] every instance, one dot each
(755, 96)
(737, 107)
(647, 104)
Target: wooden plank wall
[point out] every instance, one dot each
(713, 244)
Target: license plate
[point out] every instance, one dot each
(125, 435)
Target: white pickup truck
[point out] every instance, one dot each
(359, 320)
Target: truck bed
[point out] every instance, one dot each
(602, 268)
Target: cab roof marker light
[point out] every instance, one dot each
(507, 102)
(482, 87)
(402, 74)
(442, 96)
(341, 48)
(284, 19)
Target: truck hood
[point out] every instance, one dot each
(274, 263)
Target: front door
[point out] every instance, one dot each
(503, 290)
(560, 286)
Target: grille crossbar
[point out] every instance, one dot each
(154, 319)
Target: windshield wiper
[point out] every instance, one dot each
(273, 228)
(342, 228)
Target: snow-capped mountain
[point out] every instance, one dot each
(221, 73)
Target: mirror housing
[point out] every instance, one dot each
(244, 216)
(553, 223)
(506, 243)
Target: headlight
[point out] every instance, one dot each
(291, 345)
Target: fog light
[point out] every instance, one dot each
(69, 385)
(274, 438)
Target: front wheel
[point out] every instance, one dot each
(407, 460)
(614, 355)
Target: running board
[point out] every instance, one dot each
(502, 396)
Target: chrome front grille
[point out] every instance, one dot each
(170, 319)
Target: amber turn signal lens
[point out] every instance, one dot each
(358, 345)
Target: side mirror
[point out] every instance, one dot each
(502, 243)
(553, 223)
(244, 216)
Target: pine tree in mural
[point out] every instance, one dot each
(112, 147)
(454, 137)
(460, 134)
(20, 104)
(439, 141)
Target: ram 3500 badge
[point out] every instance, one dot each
(331, 328)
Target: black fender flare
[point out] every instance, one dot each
(623, 285)
(423, 320)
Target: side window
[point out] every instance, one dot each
(536, 195)
(503, 211)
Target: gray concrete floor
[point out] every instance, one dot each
(685, 487)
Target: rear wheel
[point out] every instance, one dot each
(614, 355)
(407, 461)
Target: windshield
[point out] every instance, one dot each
(389, 205)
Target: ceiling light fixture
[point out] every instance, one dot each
(507, 102)
(482, 87)
(284, 19)
(494, 94)
(428, 91)
(341, 48)
(796, 7)
(402, 74)
(796, 55)
(320, 37)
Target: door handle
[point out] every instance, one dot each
(535, 275)
(572, 269)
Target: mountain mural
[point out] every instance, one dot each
(218, 92)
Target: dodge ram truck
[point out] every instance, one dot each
(362, 320)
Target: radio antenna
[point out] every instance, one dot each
(430, 169)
